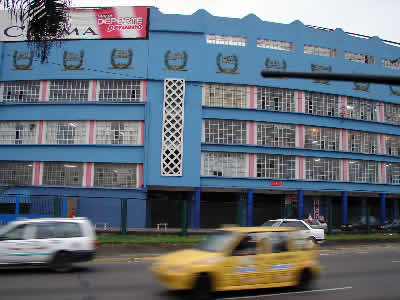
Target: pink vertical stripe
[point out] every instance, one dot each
(345, 170)
(141, 11)
(140, 179)
(144, 90)
(40, 137)
(43, 96)
(381, 113)
(344, 140)
(383, 172)
(142, 133)
(37, 173)
(382, 150)
(94, 91)
(251, 133)
(91, 132)
(343, 106)
(251, 165)
(300, 101)
(89, 167)
(301, 167)
(301, 136)
(252, 96)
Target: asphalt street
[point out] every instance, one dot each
(364, 273)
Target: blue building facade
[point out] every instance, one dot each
(185, 121)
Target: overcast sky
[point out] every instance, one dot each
(368, 17)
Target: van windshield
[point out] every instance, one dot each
(217, 241)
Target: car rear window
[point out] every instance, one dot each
(58, 230)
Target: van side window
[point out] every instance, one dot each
(17, 233)
(45, 231)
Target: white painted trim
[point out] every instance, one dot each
(84, 172)
(296, 102)
(248, 96)
(201, 163)
(247, 158)
(33, 170)
(41, 173)
(297, 165)
(203, 93)
(44, 133)
(203, 131)
(92, 177)
(87, 131)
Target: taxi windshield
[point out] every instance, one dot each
(217, 241)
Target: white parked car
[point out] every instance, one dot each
(316, 235)
(317, 224)
(55, 242)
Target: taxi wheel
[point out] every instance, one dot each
(202, 288)
(61, 262)
(305, 280)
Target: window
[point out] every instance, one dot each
(224, 164)
(271, 134)
(277, 45)
(68, 90)
(360, 58)
(321, 51)
(276, 166)
(225, 95)
(66, 132)
(58, 230)
(20, 132)
(391, 64)
(226, 40)
(321, 104)
(17, 233)
(16, 172)
(322, 168)
(363, 171)
(362, 109)
(322, 138)
(119, 91)
(117, 132)
(275, 99)
(295, 224)
(364, 142)
(392, 173)
(21, 91)
(392, 143)
(225, 131)
(62, 173)
(115, 175)
(392, 113)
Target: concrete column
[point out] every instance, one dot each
(344, 208)
(300, 204)
(250, 207)
(197, 208)
(382, 208)
(364, 207)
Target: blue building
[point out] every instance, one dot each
(184, 120)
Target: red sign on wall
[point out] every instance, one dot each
(276, 183)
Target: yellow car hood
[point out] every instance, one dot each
(188, 256)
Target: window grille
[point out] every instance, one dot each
(225, 95)
(322, 138)
(391, 64)
(322, 169)
(115, 175)
(321, 51)
(275, 99)
(276, 166)
(392, 143)
(392, 173)
(69, 90)
(119, 91)
(271, 134)
(362, 109)
(117, 132)
(277, 45)
(321, 104)
(225, 164)
(21, 91)
(392, 113)
(225, 131)
(172, 127)
(66, 132)
(360, 58)
(20, 132)
(62, 173)
(364, 142)
(226, 40)
(16, 172)
(363, 171)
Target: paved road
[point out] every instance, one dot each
(348, 274)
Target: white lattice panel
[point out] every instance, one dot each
(172, 127)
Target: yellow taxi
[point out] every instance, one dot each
(237, 258)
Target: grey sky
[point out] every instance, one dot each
(368, 17)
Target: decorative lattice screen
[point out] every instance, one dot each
(172, 130)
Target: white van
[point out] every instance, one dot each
(55, 242)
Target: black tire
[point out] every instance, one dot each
(202, 289)
(61, 262)
(305, 280)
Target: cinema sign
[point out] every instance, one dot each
(101, 23)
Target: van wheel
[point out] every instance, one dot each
(305, 280)
(61, 262)
(202, 288)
